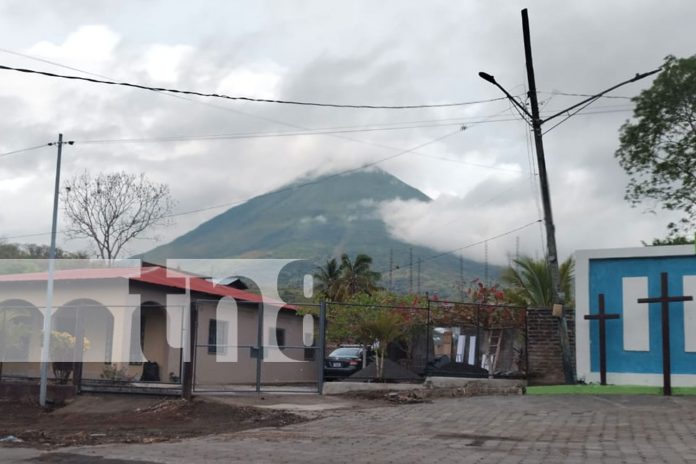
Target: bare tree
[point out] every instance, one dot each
(112, 209)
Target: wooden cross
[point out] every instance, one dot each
(665, 299)
(602, 318)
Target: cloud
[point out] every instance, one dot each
(399, 53)
(162, 62)
(257, 80)
(91, 44)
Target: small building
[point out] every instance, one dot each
(136, 326)
(634, 340)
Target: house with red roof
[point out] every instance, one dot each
(139, 324)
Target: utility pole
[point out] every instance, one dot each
(517, 247)
(410, 270)
(418, 280)
(46, 347)
(556, 290)
(461, 278)
(391, 268)
(536, 122)
(485, 263)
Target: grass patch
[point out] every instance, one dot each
(595, 389)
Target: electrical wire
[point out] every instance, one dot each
(322, 179)
(22, 150)
(289, 187)
(243, 98)
(570, 115)
(53, 63)
(470, 245)
(568, 94)
(253, 135)
(10, 237)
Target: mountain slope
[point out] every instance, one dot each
(319, 219)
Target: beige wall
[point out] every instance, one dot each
(220, 369)
(107, 316)
(113, 303)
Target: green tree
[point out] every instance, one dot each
(328, 278)
(341, 282)
(658, 148)
(18, 258)
(34, 251)
(14, 332)
(529, 282)
(381, 326)
(672, 240)
(357, 277)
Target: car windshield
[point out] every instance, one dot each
(345, 353)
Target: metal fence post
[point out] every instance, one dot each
(477, 355)
(259, 344)
(78, 351)
(322, 346)
(188, 353)
(428, 335)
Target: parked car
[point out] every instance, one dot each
(345, 361)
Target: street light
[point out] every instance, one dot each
(551, 249)
(489, 78)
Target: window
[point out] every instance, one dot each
(217, 336)
(309, 352)
(279, 336)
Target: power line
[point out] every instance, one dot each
(568, 94)
(53, 63)
(22, 150)
(570, 115)
(250, 135)
(323, 179)
(26, 235)
(243, 98)
(501, 235)
(471, 245)
(289, 187)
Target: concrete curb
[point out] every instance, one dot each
(464, 386)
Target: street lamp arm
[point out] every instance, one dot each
(489, 78)
(635, 78)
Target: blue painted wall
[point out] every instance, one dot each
(605, 277)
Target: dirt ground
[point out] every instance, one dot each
(99, 419)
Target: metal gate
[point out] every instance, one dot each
(256, 347)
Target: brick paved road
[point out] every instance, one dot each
(516, 429)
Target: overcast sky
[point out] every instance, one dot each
(359, 52)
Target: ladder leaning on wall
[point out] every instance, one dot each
(495, 340)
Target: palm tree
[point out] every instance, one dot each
(529, 281)
(357, 277)
(340, 282)
(328, 279)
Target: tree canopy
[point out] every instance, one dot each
(529, 281)
(658, 147)
(340, 282)
(112, 209)
(34, 251)
(672, 240)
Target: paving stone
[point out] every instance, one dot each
(510, 430)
